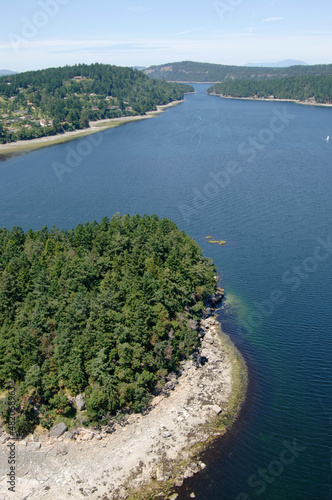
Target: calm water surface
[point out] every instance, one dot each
(257, 174)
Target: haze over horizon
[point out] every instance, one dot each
(39, 34)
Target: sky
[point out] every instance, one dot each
(37, 34)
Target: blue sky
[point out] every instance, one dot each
(38, 34)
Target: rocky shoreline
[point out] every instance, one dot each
(145, 454)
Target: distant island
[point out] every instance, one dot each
(43, 103)
(305, 89)
(189, 71)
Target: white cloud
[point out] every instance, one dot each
(138, 9)
(272, 19)
(190, 31)
(134, 51)
(320, 32)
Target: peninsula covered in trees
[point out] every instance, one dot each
(189, 71)
(108, 309)
(315, 89)
(47, 102)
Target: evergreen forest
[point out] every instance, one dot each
(302, 88)
(106, 309)
(189, 71)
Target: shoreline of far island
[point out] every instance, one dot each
(26, 146)
(270, 99)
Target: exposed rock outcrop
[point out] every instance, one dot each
(58, 430)
(115, 460)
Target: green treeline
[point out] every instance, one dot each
(189, 71)
(105, 308)
(46, 102)
(301, 88)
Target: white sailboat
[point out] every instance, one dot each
(327, 138)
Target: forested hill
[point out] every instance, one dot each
(188, 71)
(107, 308)
(302, 88)
(39, 103)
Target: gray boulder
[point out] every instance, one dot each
(207, 312)
(79, 402)
(169, 386)
(58, 430)
(216, 409)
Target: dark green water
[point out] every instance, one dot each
(259, 176)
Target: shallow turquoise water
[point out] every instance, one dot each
(257, 174)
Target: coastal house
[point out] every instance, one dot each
(45, 123)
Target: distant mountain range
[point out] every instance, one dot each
(281, 64)
(189, 71)
(4, 72)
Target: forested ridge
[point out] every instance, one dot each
(301, 88)
(46, 102)
(108, 309)
(189, 71)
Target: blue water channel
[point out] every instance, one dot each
(258, 175)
